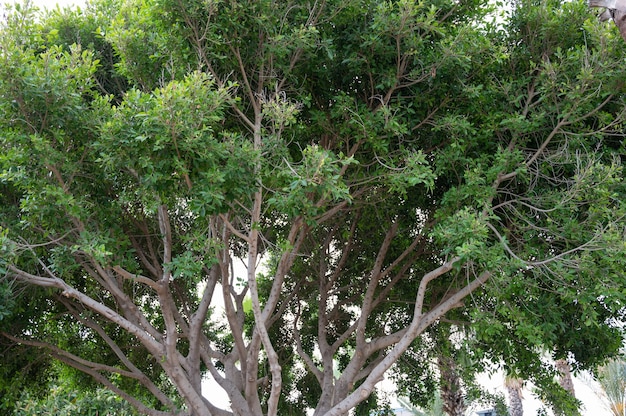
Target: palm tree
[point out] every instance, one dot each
(612, 378)
(514, 386)
(452, 393)
(565, 378)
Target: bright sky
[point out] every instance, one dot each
(50, 4)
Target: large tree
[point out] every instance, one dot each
(389, 173)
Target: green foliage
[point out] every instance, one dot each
(434, 407)
(316, 177)
(165, 142)
(6, 300)
(612, 378)
(360, 145)
(561, 402)
(63, 401)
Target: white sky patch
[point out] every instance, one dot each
(51, 4)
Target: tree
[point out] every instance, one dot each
(383, 169)
(451, 390)
(435, 408)
(612, 378)
(64, 401)
(615, 10)
(513, 387)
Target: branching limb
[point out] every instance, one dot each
(232, 228)
(585, 246)
(308, 361)
(259, 318)
(126, 304)
(196, 321)
(418, 324)
(153, 346)
(136, 277)
(166, 236)
(139, 375)
(93, 369)
(375, 277)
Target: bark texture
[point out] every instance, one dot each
(451, 388)
(514, 389)
(565, 380)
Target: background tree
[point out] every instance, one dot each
(514, 387)
(67, 401)
(387, 171)
(612, 378)
(435, 408)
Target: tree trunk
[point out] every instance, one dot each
(451, 389)
(514, 389)
(565, 380)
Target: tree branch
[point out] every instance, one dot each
(136, 277)
(418, 324)
(92, 369)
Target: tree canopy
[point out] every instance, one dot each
(408, 184)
